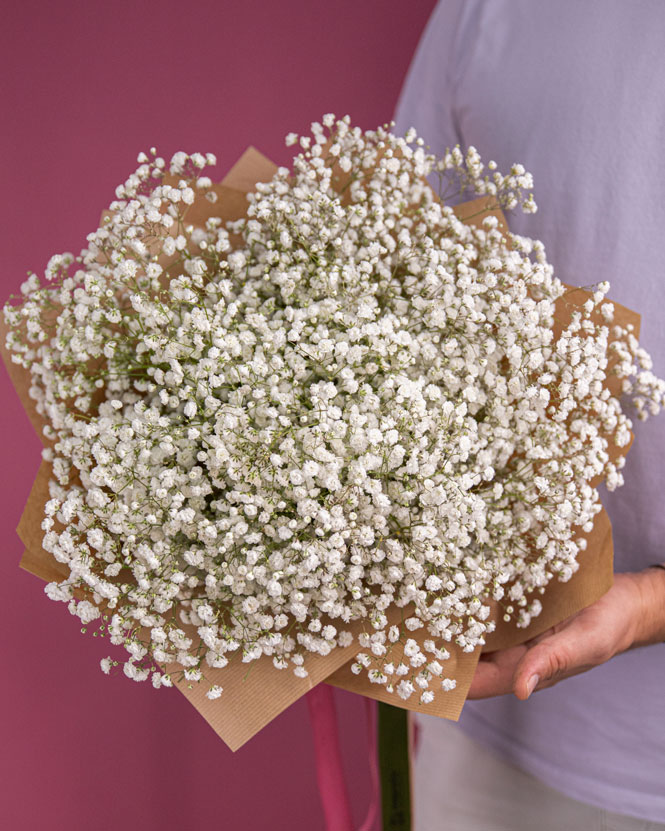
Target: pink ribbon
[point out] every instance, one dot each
(330, 776)
(373, 808)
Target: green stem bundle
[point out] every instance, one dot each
(394, 767)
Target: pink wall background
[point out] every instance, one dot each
(85, 87)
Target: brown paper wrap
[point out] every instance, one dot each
(254, 694)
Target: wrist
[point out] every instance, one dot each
(650, 619)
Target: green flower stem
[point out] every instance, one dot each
(394, 767)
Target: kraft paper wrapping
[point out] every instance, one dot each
(255, 693)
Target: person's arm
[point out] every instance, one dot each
(631, 614)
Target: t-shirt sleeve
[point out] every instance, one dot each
(426, 101)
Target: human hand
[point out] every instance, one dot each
(630, 614)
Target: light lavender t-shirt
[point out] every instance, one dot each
(575, 91)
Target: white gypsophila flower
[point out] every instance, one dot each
(214, 692)
(345, 402)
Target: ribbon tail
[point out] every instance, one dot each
(330, 777)
(375, 797)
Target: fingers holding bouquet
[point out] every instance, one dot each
(630, 614)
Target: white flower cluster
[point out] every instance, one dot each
(346, 402)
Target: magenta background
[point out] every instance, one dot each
(85, 87)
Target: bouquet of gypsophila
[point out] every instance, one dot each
(266, 435)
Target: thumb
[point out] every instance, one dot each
(548, 660)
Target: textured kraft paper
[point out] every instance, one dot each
(254, 694)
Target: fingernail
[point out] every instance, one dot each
(531, 685)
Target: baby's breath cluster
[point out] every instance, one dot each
(267, 435)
